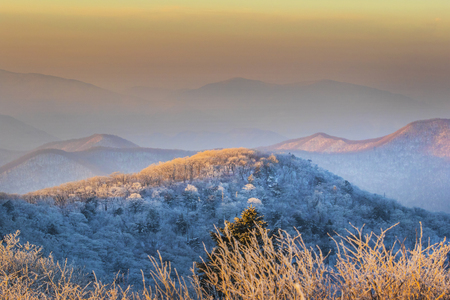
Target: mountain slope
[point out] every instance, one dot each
(326, 106)
(51, 167)
(322, 143)
(40, 92)
(16, 135)
(96, 140)
(411, 165)
(70, 108)
(111, 224)
(428, 137)
(43, 168)
(7, 156)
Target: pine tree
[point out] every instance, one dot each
(241, 230)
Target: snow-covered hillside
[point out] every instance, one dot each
(51, 167)
(427, 137)
(111, 224)
(411, 165)
(43, 169)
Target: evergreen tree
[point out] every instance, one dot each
(241, 230)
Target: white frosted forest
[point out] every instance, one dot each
(110, 225)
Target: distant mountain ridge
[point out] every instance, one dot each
(322, 143)
(43, 167)
(411, 165)
(64, 161)
(7, 156)
(428, 137)
(70, 108)
(51, 167)
(190, 140)
(96, 140)
(67, 108)
(39, 89)
(16, 135)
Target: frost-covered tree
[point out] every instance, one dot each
(111, 224)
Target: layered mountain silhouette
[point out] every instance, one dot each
(411, 164)
(325, 105)
(60, 162)
(322, 143)
(427, 137)
(190, 140)
(69, 108)
(96, 140)
(7, 156)
(17, 136)
(43, 93)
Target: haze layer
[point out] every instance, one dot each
(400, 45)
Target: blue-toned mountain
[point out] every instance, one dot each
(411, 165)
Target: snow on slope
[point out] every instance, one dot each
(42, 169)
(169, 210)
(411, 165)
(428, 137)
(51, 167)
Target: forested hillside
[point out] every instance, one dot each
(111, 224)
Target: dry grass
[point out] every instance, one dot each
(283, 270)
(287, 269)
(26, 275)
(367, 269)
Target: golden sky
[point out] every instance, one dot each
(396, 44)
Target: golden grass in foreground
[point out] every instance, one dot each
(365, 269)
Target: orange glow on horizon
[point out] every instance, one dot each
(137, 43)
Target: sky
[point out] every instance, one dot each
(398, 45)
